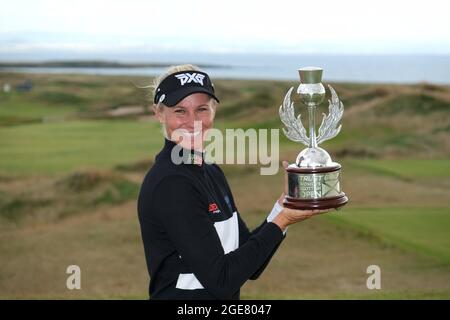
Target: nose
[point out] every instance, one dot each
(191, 118)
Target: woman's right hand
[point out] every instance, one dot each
(289, 216)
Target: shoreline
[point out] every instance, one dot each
(88, 73)
(404, 69)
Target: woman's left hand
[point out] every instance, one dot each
(283, 194)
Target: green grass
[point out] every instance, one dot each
(365, 96)
(62, 147)
(421, 230)
(259, 100)
(16, 209)
(62, 98)
(375, 295)
(21, 109)
(55, 199)
(119, 192)
(413, 104)
(88, 172)
(409, 169)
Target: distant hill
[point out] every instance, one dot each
(90, 64)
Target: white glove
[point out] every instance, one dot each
(275, 211)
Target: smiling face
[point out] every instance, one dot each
(187, 122)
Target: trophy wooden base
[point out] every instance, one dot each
(315, 204)
(314, 188)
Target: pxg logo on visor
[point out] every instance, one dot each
(179, 85)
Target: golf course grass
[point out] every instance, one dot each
(70, 171)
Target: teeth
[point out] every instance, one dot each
(192, 134)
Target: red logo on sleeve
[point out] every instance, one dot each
(213, 208)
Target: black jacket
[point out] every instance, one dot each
(196, 244)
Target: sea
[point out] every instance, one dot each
(396, 69)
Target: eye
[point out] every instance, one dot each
(202, 109)
(179, 111)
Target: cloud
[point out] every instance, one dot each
(346, 26)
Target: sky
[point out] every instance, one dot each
(254, 26)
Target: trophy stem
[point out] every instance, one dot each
(312, 126)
